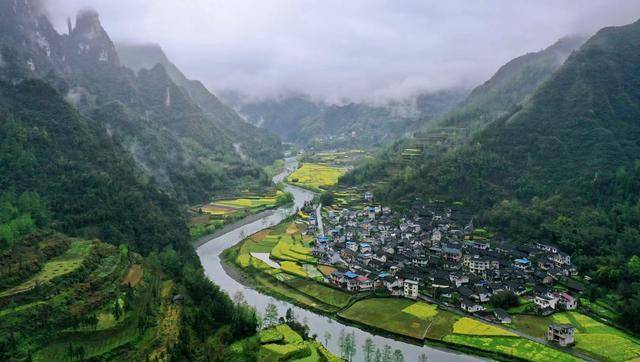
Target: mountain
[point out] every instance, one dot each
(282, 116)
(262, 146)
(499, 97)
(580, 122)
(95, 259)
(366, 125)
(354, 124)
(191, 153)
(74, 165)
(302, 120)
(511, 85)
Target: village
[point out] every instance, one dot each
(426, 255)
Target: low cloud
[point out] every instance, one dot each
(337, 50)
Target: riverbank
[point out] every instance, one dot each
(235, 225)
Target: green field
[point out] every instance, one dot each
(511, 346)
(599, 339)
(474, 327)
(325, 294)
(442, 325)
(207, 218)
(249, 202)
(67, 263)
(316, 176)
(600, 308)
(279, 288)
(389, 314)
(592, 337)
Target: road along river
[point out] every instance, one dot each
(212, 246)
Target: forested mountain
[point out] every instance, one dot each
(498, 97)
(87, 181)
(563, 167)
(282, 116)
(261, 146)
(510, 86)
(355, 124)
(190, 151)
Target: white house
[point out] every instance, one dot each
(410, 289)
(470, 306)
(544, 301)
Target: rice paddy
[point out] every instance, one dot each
(388, 314)
(315, 176)
(471, 326)
(599, 339)
(325, 294)
(224, 207)
(512, 346)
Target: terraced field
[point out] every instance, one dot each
(281, 343)
(67, 263)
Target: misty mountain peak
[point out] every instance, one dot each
(89, 40)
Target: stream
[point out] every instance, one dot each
(209, 252)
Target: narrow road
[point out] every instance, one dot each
(319, 220)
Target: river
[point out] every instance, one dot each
(209, 252)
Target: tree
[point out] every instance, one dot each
(350, 345)
(386, 353)
(327, 198)
(378, 357)
(342, 344)
(239, 298)
(270, 315)
(368, 350)
(423, 358)
(634, 266)
(289, 316)
(327, 338)
(397, 356)
(117, 309)
(505, 299)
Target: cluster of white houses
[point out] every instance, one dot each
(427, 254)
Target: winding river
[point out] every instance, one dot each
(209, 252)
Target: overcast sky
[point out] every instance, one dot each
(354, 49)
